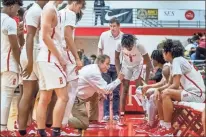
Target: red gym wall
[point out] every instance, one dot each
(87, 38)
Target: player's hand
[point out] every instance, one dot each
(63, 63)
(145, 88)
(120, 76)
(20, 28)
(79, 65)
(157, 94)
(28, 70)
(102, 97)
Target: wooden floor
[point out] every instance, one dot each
(111, 128)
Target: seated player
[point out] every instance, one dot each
(90, 86)
(148, 90)
(134, 54)
(184, 75)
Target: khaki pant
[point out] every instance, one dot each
(80, 119)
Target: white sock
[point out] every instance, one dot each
(151, 110)
(167, 125)
(162, 123)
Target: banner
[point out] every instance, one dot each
(123, 15)
(181, 15)
(147, 14)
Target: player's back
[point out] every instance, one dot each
(32, 18)
(55, 33)
(8, 27)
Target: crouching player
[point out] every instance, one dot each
(134, 54)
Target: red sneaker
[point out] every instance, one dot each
(48, 132)
(153, 130)
(31, 131)
(163, 132)
(140, 124)
(7, 133)
(69, 132)
(4, 133)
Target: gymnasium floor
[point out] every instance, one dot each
(111, 129)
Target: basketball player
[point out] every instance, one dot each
(90, 85)
(148, 90)
(10, 59)
(51, 66)
(29, 54)
(184, 75)
(133, 56)
(69, 20)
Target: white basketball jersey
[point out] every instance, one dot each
(45, 54)
(8, 27)
(32, 18)
(68, 19)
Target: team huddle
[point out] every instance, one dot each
(52, 73)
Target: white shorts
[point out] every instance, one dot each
(188, 97)
(51, 76)
(131, 73)
(9, 79)
(70, 71)
(24, 62)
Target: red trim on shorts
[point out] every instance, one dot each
(8, 57)
(69, 57)
(49, 52)
(195, 85)
(61, 71)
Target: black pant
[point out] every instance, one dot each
(200, 53)
(98, 14)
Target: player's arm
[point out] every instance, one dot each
(21, 34)
(12, 35)
(117, 56)
(31, 31)
(68, 32)
(148, 66)
(46, 24)
(146, 60)
(100, 46)
(117, 61)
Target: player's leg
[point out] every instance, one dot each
(9, 82)
(30, 88)
(41, 110)
(59, 109)
(50, 110)
(107, 78)
(116, 96)
(151, 111)
(160, 110)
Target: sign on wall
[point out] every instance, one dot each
(147, 14)
(182, 15)
(123, 15)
